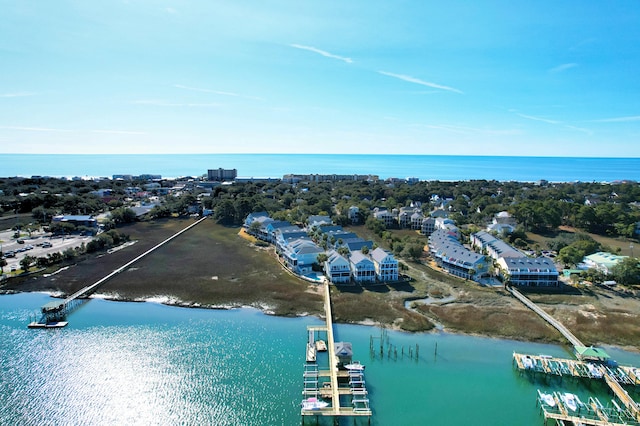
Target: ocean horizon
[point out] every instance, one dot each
(423, 167)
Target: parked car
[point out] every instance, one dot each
(10, 254)
(47, 244)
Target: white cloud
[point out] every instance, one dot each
(579, 129)
(618, 119)
(544, 120)
(216, 92)
(34, 129)
(16, 95)
(323, 53)
(421, 82)
(54, 130)
(554, 122)
(176, 104)
(119, 132)
(563, 67)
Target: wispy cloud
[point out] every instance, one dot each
(58, 130)
(16, 94)
(466, 130)
(544, 120)
(119, 132)
(35, 129)
(554, 122)
(414, 80)
(618, 119)
(176, 104)
(216, 92)
(322, 52)
(579, 129)
(562, 68)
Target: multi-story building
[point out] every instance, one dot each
(385, 264)
(222, 174)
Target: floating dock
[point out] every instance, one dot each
(567, 408)
(344, 388)
(613, 376)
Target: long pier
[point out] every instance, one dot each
(612, 378)
(340, 383)
(57, 310)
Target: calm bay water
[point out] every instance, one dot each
(149, 364)
(425, 167)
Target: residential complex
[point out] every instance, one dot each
(348, 257)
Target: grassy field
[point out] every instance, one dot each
(209, 265)
(213, 266)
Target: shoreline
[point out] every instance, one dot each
(175, 302)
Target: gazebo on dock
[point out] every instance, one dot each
(591, 353)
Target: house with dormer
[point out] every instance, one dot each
(300, 255)
(362, 268)
(337, 268)
(386, 265)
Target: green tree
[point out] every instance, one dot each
(3, 263)
(570, 255)
(26, 262)
(627, 271)
(224, 211)
(344, 251)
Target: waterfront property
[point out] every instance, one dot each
(337, 268)
(348, 257)
(529, 272)
(386, 265)
(456, 259)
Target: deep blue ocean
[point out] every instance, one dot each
(424, 167)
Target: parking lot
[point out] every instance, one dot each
(38, 245)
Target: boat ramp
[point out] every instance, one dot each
(342, 385)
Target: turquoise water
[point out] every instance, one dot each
(149, 364)
(425, 167)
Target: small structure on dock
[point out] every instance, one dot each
(344, 353)
(332, 389)
(590, 353)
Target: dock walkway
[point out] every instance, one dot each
(56, 310)
(354, 387)
(612, 378)
(551, 320)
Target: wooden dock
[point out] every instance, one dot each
(614, 377)
(555, 406)
(340, 382)
(57, 311)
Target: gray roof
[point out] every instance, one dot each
(344, 349)
(357, 257)
(379, 254)
(533, 264)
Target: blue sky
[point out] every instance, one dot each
(543, 78)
